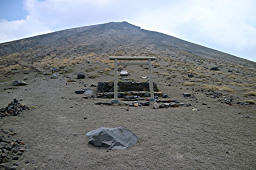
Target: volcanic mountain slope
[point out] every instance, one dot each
(176, 58)
(115, 38)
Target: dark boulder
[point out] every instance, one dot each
(19, 83)
(81, 91)
(190, 75)
(187, 95)
(165, 96)
(80, 75)
(214, 69)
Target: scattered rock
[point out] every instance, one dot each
(13, 109)
(194, 109)
(188, 105)
(81, 91)
(53, 70)
(54, 76)
(92, 76)
(80, 75)
(227, 100)
(214, 69)
(19, 83)
(89, 93)
(155, 105)
(165, 96)
(124, 73)
(112, 138)
(190, 75)
(187, 95)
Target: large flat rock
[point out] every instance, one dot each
(112, 138)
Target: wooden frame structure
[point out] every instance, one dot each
(132, 58)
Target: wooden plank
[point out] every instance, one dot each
(133, 63)
(131, 92)
(131, 57)
(151, 89)
(116, 82)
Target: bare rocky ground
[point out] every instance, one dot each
(218, 130)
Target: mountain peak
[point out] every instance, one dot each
(117, 25)
(111, 38)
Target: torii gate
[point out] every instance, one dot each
(130, 58)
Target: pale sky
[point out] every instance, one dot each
(225, 25)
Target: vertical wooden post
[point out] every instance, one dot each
(116, 82)
(151, 89)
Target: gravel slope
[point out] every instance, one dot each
(216, 136)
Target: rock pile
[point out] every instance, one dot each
(223, 98)
(13, 109)
(158, 104)
(10, 148)
(213, 94)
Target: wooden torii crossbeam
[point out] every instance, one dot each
(132, 58)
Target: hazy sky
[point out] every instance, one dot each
(225, 25)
